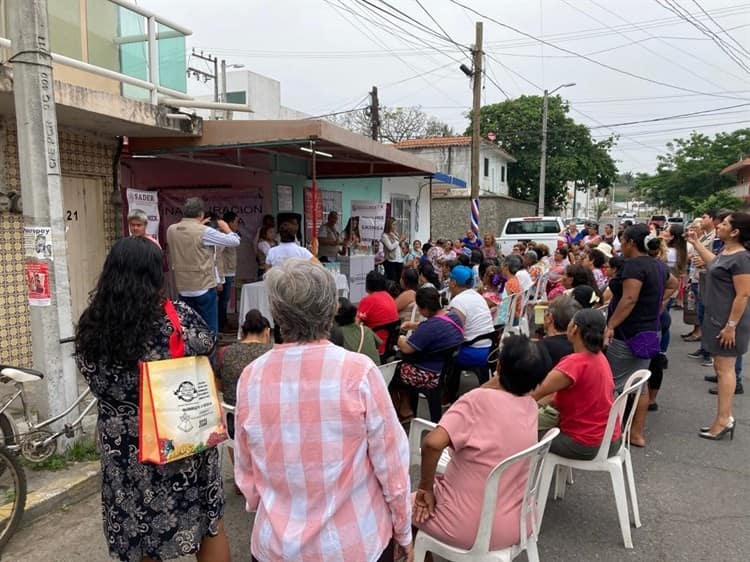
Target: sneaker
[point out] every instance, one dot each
(708, 362)
(697, 354)
(737, 390)
(711, 378)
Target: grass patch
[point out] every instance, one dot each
(80, 451)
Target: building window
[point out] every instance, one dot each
(237, 97)
(502, 174)
(401, 211)
(486, 167)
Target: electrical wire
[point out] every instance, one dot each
(663, 40)
(675, 8)
(579, 55)
(679, 116)
(640, 44)
(724, 31)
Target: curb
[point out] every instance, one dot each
(84, 481)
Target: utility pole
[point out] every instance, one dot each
(198, 73)
(223, 97)
(543, 164)
(374, 114)
(41, 190)
(475, 110)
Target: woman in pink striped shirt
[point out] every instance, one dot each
(319, 453)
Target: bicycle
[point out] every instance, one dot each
(12, 494)
(37, 444)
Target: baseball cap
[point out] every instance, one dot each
(462, 275)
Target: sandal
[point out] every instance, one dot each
(692, 339)
(688, 335)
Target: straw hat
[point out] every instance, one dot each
(605, 249)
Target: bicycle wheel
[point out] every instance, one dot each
(12, 495)
(7, 437)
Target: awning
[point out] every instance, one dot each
(450, 181)
(351, 155)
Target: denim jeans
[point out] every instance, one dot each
(207, 307)
(738, 369)
(224, 296)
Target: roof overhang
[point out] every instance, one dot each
(352, 155)
(736, 167)
(105, 113)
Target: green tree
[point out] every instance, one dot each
(571, 152)
(688, 175)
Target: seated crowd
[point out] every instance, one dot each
(460, 306)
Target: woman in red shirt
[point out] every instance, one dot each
(378, 307)
(583, 390)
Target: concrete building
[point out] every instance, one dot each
(452, 156)
(449, 202)
(740, 170)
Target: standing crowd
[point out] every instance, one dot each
(321, 455)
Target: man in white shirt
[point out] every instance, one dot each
(191, 246)
(288, 248)
(329, 237)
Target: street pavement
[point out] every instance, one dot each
(694, 494)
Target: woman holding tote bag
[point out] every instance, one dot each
(151, 512)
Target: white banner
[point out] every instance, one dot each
(371, 219)
(148, 202)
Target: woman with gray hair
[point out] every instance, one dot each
(316, 434)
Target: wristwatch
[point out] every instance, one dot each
(731, 323)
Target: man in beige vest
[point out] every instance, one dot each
(227, 262)
(191, 246)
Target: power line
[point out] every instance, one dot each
(678, 116)
(675, 8)
(717, 24)
(640, 43)
(664, 41)
(579, 55)
(426, 11)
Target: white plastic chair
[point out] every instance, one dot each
(560, 467)
(417, 430)
(388, 370)
(480, 551)
(540, 290)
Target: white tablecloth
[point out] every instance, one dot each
(254, 296)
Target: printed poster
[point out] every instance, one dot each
(37, 242)
(37, 281)
(148, 202)
(371, 219)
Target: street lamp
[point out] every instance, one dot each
(543, 166)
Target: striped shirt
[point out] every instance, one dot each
(320, 455)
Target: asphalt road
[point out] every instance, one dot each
(694, 494)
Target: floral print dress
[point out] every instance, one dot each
(152, 511)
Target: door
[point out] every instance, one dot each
(83, 212)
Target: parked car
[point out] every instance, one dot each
(542, 230)
(676, 220)
(627, 215)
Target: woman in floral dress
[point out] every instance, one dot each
(150, 512)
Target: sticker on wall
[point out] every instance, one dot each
(38, 242)
(37, 280)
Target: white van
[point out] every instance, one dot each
(542, 230)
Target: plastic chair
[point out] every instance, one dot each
(388, 370)
(480, 551)
(560, 467)
(417, 430)
(394, 330)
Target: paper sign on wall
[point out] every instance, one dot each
(371, 219)
(37, 281)
(37, 241)
(148, 202)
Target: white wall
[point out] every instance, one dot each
(263, 95)
(410, 187)
(456, 161)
